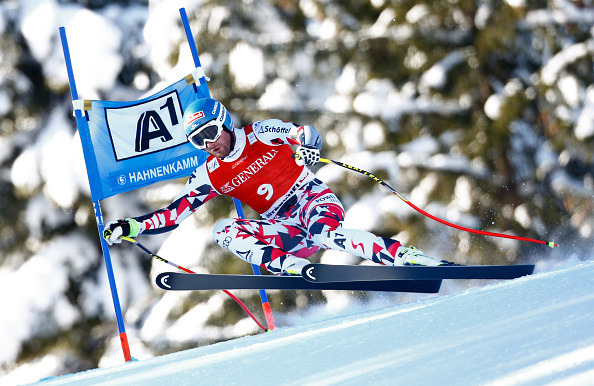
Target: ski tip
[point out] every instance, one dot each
(552, 244)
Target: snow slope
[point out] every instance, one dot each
(530, 331)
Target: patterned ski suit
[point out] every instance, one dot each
(300, 213)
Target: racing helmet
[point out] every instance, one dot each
(205, 120)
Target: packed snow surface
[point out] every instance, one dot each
(534, 330)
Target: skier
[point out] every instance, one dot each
(256, 164)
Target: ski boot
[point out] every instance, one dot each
(292, 266)
(412, 256)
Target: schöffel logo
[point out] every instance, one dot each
(146, 127)
(274, 129)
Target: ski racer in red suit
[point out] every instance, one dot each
(257, 165)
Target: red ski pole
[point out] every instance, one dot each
(247, 311)
(379, 181)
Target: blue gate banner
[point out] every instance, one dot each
(138, 143)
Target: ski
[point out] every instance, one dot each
(176, 281)
(325, 273)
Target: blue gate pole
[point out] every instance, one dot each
(93, 176)
(263, 297)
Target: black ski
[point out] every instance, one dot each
(325, 273)
(190, 282)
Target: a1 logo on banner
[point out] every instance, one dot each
(146, 127)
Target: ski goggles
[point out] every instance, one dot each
(209, 132)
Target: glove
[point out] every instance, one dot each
(307, 155)
(307, 136)
(116, 229)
